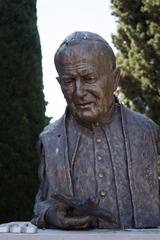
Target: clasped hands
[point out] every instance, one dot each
(74, 213)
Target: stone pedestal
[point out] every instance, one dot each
(142, 234)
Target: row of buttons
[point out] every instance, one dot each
(99, 140)
(102, 193)
(101, 175)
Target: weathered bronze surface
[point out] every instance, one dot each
(98, 164)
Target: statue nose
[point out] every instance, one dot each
(79, 88)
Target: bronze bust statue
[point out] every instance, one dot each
(98, 164)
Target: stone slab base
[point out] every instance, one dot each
(97, 234)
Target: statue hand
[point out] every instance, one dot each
(57, 218)
(86, 207)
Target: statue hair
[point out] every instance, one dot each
(77, 38)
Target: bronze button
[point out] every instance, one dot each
(100, 175)
(99, 157)
(102, 193)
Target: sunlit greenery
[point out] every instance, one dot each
(138, 42)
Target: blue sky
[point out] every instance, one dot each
(56, 20)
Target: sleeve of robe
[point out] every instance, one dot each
(43, 199)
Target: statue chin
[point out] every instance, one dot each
(89, 115)
(85, 118)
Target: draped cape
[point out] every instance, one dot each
(141, 140)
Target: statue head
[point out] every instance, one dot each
(88, 76)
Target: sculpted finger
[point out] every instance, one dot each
(75, 222)
(82, 227)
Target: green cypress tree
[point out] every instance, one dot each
(138, 42)
(22, 108)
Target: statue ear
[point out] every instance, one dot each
(58, 79)
(116, 77)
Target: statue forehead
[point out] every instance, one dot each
(85, 49)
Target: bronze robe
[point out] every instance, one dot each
(141, 136)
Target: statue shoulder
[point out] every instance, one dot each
(140, 120)
(53, 128)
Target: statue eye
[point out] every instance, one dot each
(68, 81)
(90, 79)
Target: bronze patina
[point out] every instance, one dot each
(98, 164)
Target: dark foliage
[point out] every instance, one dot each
(22, 108)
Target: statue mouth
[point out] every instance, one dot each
(85, 105)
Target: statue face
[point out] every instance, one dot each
(87, 82)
